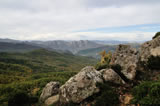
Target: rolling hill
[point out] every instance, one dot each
(29, 72)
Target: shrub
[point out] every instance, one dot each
(156, 35)
(108, 96)
(105, 60)
(154, 62)
(19, 98)
(100, 66)
(147, 93)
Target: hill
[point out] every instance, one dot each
(72, 46)
(16, 47)
(94, 52)
(29, 72)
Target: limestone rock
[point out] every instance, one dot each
(150, 48)
(81, 86)
(51, 89)
(111, 76)
(51, 100)
(127, 58)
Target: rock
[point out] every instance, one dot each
(51, 100)
(80, 86)
(150, 48)
(127, 58)
(126, 99)
(111, 76)
(51, 89)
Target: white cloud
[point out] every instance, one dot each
(58, 19)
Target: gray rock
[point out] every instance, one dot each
(150, 48)
(111, 76)
(51, 100)
(51, 89)
(127, 58)
(81, 86)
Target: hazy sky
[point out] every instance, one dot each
(79, 19)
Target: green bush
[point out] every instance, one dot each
(100, 66)
(107, 97)
(147, 93)
(154, 62)
(156, 35)
(19, 98)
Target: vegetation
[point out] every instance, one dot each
(154, 63)
(93, 52)
(147, 93)
(107, 97)
(156, 35)
(105, 60)
(25, 74)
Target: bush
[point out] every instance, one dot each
(108, 96)
(156, 35)
(154, 62)
(147, 93)
(100, 66)
(105, 60)
(19, 98)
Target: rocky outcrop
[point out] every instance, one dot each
(78, 87)
(51, 100)
(124, 63)
(110, 75)
(127, 58)
(81, 86)
(150, 48)
(51, 89)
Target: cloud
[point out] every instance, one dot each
(58, 19)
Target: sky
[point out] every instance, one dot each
(126, 20)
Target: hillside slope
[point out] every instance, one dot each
(28, 72)
(16, 47)
(94, 52)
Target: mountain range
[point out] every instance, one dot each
(81, 47)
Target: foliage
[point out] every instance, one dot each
(25, 74)
(19, 98)
(105, 60)
(100, 66)
(107, 97)
(154, 62)
(94, 51)
(156, 35)
(147, 93)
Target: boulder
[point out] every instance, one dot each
(111, 76)
(150, 48)
(51, 89)
(52, 100)
(80, 86)
(127, 58)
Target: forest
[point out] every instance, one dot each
(23, 75)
